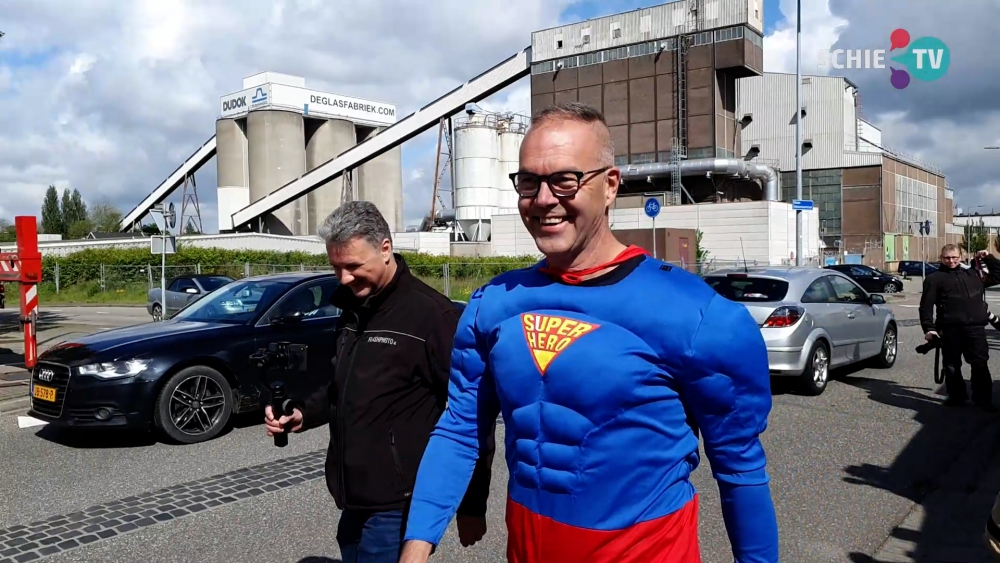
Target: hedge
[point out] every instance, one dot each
(130, 264)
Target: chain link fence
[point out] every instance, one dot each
(106, 283)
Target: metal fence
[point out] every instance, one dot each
(458, 280)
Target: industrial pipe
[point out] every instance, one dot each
(726, 166)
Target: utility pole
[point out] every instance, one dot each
(798, 131)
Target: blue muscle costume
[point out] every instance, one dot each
(603, 388)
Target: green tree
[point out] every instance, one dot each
(105, 217)
(78, 206)
(975, 240)
(7, 231)
(78, 230)
(52, 217)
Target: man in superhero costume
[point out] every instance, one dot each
(605, 364)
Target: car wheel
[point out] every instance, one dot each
(194, 405)
(817, 372)
(890, 347)
(157, 313)
(891, 287)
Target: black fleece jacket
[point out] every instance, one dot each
(387, 391)
(957, 296)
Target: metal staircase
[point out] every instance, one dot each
(679, 145)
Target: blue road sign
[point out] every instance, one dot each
(652, 208)
(802, 204)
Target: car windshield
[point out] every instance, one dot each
(235, 303)
(214, 282)
(747, 288)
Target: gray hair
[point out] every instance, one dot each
(577, 111)
(355, 219)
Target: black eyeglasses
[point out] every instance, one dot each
(562, 184)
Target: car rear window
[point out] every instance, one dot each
(748, 288)
(213, 283)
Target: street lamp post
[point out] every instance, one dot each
(798, 130)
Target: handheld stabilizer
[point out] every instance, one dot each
(283, 358)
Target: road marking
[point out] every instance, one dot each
(102, 312)
(29, 421)
(909, 306)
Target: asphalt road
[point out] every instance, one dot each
(846, 468)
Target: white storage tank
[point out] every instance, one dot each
(477, 166)
(512, 128)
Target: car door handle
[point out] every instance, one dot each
(850, 315)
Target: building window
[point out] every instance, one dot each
(728, 34)
(708, 152)
(916, 202)
(644, 158)
(824, 188)
(585, 35)
(621, 160)
(559, 42)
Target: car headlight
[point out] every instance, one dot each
(113, 370)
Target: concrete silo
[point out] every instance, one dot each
(233, 170)
(277, 156)
(511, 128)
(380, 181)
(325, 139)
(477, 170)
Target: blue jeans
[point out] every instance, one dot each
(370, 537)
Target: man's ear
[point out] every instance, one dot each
(386, 250)
(611, 184)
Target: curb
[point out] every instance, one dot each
(19, 404)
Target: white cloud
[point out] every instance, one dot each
(820, 30)
(110, 101)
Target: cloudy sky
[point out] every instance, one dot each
(111, 99)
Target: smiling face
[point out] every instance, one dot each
(361, 266)
(564, 226)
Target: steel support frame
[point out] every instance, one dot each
(25, 268)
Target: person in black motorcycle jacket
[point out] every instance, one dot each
(956, 296)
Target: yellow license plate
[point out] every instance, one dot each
(44, 393)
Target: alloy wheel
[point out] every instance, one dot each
(821, 366)
(196, 405)
(889, 346)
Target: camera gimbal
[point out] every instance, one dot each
(282, 357)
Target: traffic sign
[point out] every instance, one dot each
(652, 208)
(802, 204)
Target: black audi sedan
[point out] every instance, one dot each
(185, 376)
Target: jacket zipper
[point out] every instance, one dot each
(340, 409)
(395, 458)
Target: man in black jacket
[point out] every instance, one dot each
(959, 297)
(389, 388)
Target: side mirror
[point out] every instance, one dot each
(877, 299)
(290, 318)
(191, 291)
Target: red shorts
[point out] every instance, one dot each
(538, 539)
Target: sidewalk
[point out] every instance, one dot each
(13, 388)
(958, 510)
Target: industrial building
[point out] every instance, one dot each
(487, 148)
(872, 200)
(275, 130)
(695, 123)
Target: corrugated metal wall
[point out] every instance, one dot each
(771, 100)
(637, 26)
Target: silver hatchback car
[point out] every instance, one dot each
(812, 320)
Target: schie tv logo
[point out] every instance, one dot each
(926, 58)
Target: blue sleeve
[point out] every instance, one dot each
(726, 387)
(464, 428)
